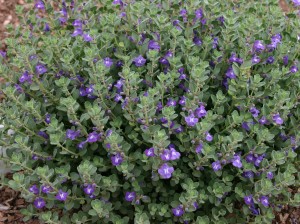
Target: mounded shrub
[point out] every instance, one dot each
(153, 111)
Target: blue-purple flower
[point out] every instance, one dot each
(199, 148)
(197, 41)
(130, 196)
(153, 45)
(296, 2)
(264, 200)
(108, 62)
(178, 211)
(258, 46)
(39, 4)
(254, 111)
(139, 61)
(25, 77)
(72, 134)
(46, 189)
(236, 161)
(230, 73)
(89, 189)
(255, 59)
(200, 111)
(191, 120)
(249, 200)
(270, 175)
(285, 60)
(39, 203)
(165, 171)
(270, 60)
(116, 159)
(171, 103)
(61, 195)
(294, 69)
(77, 32)
(208, 137)
(34, 189)
(150, 152)
(87, 37)
(93, 137)
(40, 69)
(277, 119)
(216, 165)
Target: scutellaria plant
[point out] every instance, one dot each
(153, 111)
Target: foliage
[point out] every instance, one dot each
(153, 111)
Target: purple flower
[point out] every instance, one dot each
(116, 159)
(61, 195)
(40, 69)
(174, 154)
(183, 12)
(46, 27)
(277, 119)
(93, 137)
(150, 152)
(25, 77)
(164, 61)
(263, 120)
(46, 189)
(108, 62)
(77, 23)
(195, 205)
(245, 126)
(43, 134)
(139, 61)
(270, 175)
(118, 98)
(34, 189)
(236, 161)
(258, 160)
(39, 203)
(294, 69)
(199, 13)
(117, 2)
(178, 211)
(72, 134)
(215, 42)
(171, 103)
(169, 54)
(153, 45)
(230, 73)
(165, 171)
(285, 60)
(221, 19)
(250, 158)
(82, 91)
(258, 46)
(77, 32)
(130, 196)
(216, 165)
(233, 58)
(255, 59)
(296, 2)
(87, 37)
(255, 112)
(182, 101)
(208, 137)
(199, 148)
(166, 155)
(197, 41)
(89, 189)
(248, 174)
(270, 60)
(39, 4)
(276, 39)
(191, 120)
(249, 200)
(254, 210)
(3, 54)
(264, 200)
(200, 112)
(119, 83)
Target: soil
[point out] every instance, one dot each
(10, 201)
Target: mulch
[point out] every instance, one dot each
(11, 202)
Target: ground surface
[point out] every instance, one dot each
(10, 200)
